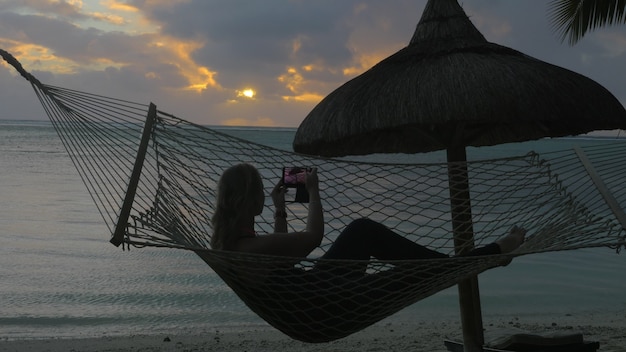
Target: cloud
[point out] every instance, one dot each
(63, 9)
(264, 42)
(193, 57)
(257, 41)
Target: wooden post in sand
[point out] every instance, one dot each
(461, 211)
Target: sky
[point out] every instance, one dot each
(252, 62)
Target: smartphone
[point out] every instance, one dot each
(294, 176)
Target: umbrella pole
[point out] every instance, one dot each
(461, 210)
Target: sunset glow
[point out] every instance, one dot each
(263, 64)
(248, 93)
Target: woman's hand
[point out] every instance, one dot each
(278, 195)
(315, 221)
(280, 213)
(311, 181)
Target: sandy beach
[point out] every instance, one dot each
(422, 335)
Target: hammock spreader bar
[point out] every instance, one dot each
(127, 206)
(604, 191)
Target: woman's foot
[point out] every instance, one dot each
(512, 241)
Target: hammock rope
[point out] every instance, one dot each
(174, 195)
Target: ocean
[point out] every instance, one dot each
(60, 277)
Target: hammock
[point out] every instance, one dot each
(153, 178)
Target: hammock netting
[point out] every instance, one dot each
(153, 177)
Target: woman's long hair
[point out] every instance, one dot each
(237, 193)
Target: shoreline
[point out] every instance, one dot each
(419, 335)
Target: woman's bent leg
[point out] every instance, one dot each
(364, 238)
(489, 249)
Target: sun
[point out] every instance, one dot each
(248, 93)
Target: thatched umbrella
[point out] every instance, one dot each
(451, 87)
(448, 89)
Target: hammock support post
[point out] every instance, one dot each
(129, 198)
(461, 211)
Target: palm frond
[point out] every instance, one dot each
(574, 18)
